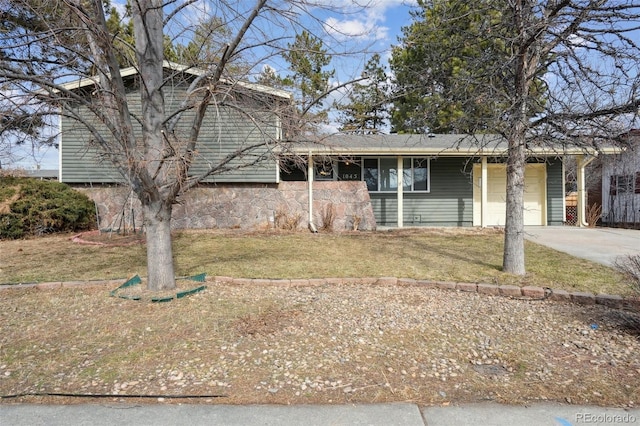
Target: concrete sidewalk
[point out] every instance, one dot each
(487, 414)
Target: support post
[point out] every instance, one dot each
(400, 193)
(483, 193)
(581, 164)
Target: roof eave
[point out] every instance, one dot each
(126, 72)
(440, 152)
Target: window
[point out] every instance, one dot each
(349, 170)
(323, 169)
(371, 173)
(381, 174)
(293, 169)
(420, 174)
(388, 174)
(624, 184)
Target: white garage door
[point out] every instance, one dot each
(534, 195)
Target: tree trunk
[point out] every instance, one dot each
(526, 63)
(157, 222)
(513, 257)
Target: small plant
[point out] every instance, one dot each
(629, 265)
(594, 211)
(356, 222)
(283, 220)
(327, 217)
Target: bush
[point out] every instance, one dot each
(327, 217)
(285, 221)
(32, 207)
(629, 265)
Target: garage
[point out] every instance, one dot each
(496, 187)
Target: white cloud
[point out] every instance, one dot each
(575, 40)
(351, 28)
(363, 20)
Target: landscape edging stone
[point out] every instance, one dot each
(509, 291)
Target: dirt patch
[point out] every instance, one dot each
(268, 323)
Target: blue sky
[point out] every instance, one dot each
(372, 27)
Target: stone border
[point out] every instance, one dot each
(526, 293)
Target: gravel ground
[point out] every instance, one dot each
(318, 344)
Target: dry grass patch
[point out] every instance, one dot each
(454, 254)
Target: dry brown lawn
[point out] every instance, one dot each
(461, 255)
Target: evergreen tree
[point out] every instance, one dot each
(449, 68)
(307, 59)
(121, 28)
(269, 77)
(367, 111)
(207, 43)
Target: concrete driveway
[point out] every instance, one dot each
(601, 245)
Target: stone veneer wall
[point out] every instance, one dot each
(244, 206)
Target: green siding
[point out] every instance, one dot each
(81, 161)
(385, 208)
(224, 131)
(449, 202)
(555, 193)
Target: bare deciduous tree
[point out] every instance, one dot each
(554, 73)
(46, 44)
(587, 54)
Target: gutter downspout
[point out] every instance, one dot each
(581, 164)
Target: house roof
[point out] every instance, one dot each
(43, 173)
(126, 72)
(431, 145)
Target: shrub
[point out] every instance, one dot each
(594, 213)
(356, 222)
(31, 207)
(327, 217)
(283, 220)
(629, 265)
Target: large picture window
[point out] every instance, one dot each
(381, 174)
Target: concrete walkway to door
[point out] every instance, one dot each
(601, 245)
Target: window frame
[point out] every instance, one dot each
(407, 189)
(624, 184)
(321, 162)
